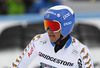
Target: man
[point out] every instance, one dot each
(56, 48)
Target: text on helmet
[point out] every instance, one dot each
(66, 15)
(68, 23)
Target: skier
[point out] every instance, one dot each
(56, 48)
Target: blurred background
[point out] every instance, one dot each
(21, 20)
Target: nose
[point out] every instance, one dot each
(50, 31)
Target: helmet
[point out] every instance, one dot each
(62, 14)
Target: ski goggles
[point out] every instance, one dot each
(55, 26)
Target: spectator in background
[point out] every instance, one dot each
(27, 3)
(51, 3)
(38, 6)
(3, 7)
(34, 6)
(16, 7)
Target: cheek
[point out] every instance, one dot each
(57, 35)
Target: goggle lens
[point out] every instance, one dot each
(53, 25)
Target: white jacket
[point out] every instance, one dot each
(72, 55)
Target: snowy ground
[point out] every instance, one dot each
(8, 56)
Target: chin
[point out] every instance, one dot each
(52, 40)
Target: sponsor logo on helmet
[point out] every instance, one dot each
(51, 12)
(66, 15)
(58, 15)
(68, 23)
(48, 16)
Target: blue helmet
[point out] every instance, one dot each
(64, 15)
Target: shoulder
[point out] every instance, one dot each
(84, 52)
(78, 45)
(39, 37)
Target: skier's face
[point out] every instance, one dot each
(54, 36)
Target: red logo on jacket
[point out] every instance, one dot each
(30, 51)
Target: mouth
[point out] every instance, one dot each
(51, 36)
